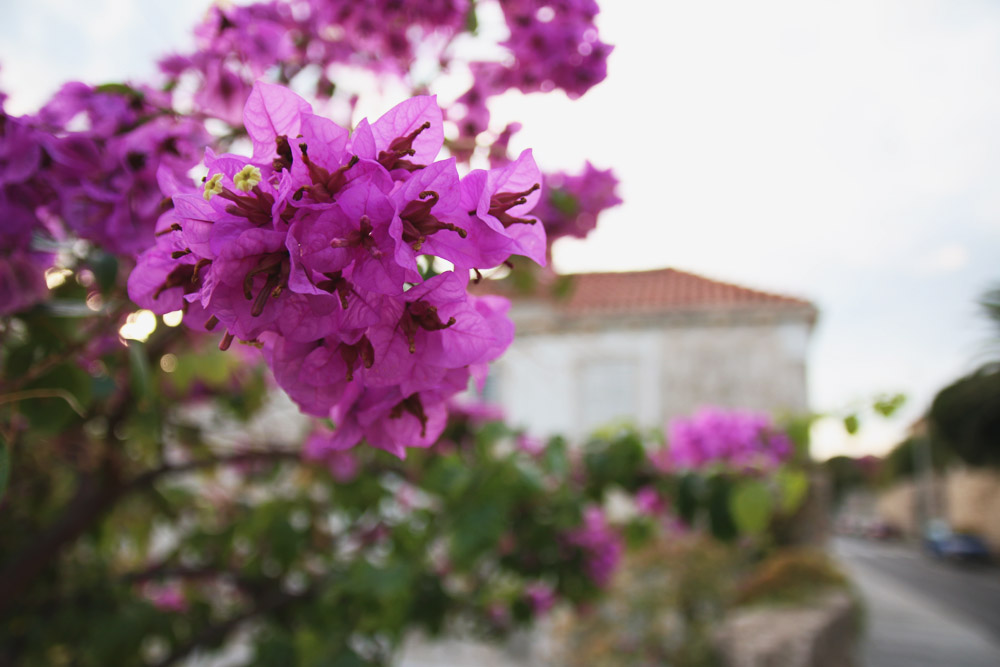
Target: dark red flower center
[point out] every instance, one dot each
(274, 267)
(502, 202)
(412, 405)
(419, 222)
(421, 315)
(399, 148)
(326, 184)
(360, 238)
(361, 351)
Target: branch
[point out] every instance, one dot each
(254, 456)
(249, 585)
(73, 347)
(214, 634)
(165, 571)
(94, 497)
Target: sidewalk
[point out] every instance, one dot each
(906, 629)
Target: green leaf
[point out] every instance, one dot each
(120, 89)
(448, 478)
(719, 503)
(851, 424)
(688, 497)
(751, 506)
(471, 22)
(477, 530)
(564, 202)
(556, 457)
(211, 367)
(887, 405)
(793, 485)
(105, 268)
(613, 462)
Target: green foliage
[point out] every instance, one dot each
(797, 427)
(471, 22)
(888, 405)
(793, 487)
(902, 461)
(845, 473)
(990, 303)
(565, 202)
(140, 536)
(614, 460)
(751, 506)
(965, 417)
(721, 523)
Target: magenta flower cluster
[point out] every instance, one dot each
(541, 596)
(572, 202)
(85, 166)
(741, 440)
(22, 266)
(553, 44)
(106, 151)
(237, 45)
(323, 249)
(601, 544)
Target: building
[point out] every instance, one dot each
(647, 346)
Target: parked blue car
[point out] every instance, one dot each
(941, 541)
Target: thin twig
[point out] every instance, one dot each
(254, 456)
(45, 393)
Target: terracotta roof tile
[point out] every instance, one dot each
(660, 291)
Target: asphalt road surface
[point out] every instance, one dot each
(922, 612)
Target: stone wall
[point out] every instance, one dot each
(823, 634)
(968, 498)
(897, 506)
(972, 498)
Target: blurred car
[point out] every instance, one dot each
(941, 541)
(882, 530)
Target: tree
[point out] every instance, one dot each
(965, 417)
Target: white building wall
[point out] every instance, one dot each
(755, 366)
(571, 383)
(552, 384)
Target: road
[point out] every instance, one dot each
(921, 612)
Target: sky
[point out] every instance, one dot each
(843, 151)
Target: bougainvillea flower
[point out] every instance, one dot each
(312, 249)
(499, 202)
(572, 203)
(108, 150)
(742, 440)
(602, 546)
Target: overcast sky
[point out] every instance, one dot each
(846, 151)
